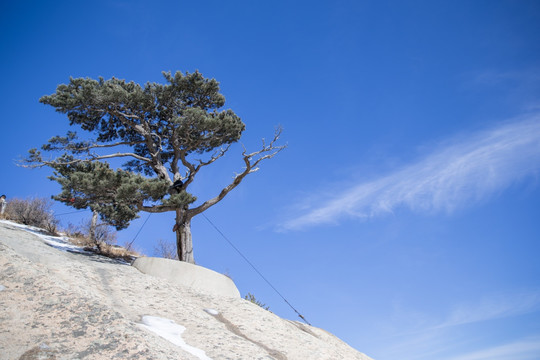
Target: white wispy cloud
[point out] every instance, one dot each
(523, 349)
(446, 338)
(459, 172)
(494, 307)
(443, 345)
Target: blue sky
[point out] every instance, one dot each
(404, 214)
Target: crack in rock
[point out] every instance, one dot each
(235, 330)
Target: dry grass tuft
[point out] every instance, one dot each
(114, 252)
(80, 240)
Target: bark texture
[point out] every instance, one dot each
(184, 241)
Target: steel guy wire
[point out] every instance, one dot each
(256, 270)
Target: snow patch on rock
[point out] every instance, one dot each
(171, 331)
(212, 312)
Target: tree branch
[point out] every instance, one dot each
(96, 146)
(109, 156)
(77, 148)
(192, 169)
(41, 163)
(154, 149)
(156, 208)
(251, 167)
(214, 157)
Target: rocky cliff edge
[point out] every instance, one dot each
(58, 302)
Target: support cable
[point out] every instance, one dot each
(256, 270)
(138, 232)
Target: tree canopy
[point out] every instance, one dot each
(156, 128)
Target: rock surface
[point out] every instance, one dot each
(62, 305)
(197, 277)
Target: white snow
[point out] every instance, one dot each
(2, 287)
(171, 331)
(62, 243)
(212, 312)
(57, 242)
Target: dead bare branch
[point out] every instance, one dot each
(271, 150)
(214, 156)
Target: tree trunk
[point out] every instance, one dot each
(92, 232)
(184, 242)
(93, 225)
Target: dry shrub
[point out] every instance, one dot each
(165, 250)
(80, 234)
(133, 249)
(34, 212)
(77, 236)
(227, 273)
(104, 242)
(74, 231)
(103, 233)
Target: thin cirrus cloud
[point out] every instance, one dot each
(460, 172)
(522, 349)
(495, 307)
(443, 339)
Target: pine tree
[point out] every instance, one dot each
(157, 128)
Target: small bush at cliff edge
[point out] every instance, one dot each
(34, 212)
(251, 298)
